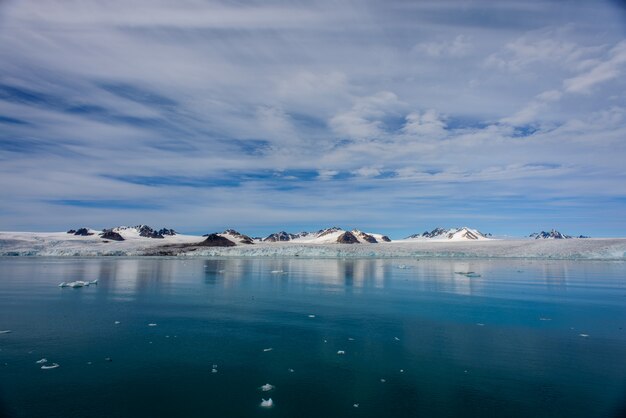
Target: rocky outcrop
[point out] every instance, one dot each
(385, 238)
(215, 240)
(348, 238)
(552, 234)
(82, 232)
(111, 235)
(242, 238)
(281, 236)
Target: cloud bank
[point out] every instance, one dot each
(392, 115)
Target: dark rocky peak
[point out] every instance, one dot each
(83, 232)
(280, 236)
(347, 238)
(111, 235)
(215, 240)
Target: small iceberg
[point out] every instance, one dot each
(396, 338)
(267, 403)
(152, 324)
(52, 366)
(267, 349)
(383, 380)
(291, 370)
(403, 267)
(213, 370)
(468, 274)
(117, 322)
(277, 272)
(78, 283)
(584, 335)
(267, 387)
(6, 331)
(42, 361)
(356, 405)
(341, 352)
(311, 316)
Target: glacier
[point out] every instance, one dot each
(63, 244)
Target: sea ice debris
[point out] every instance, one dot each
(52, 366)
(584, 335)
(6, 331)
(267, 387)
(267, 349)
(341, 352)
(152, 324)
(42, 361)
(267, 403)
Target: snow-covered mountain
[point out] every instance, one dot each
(553, 234)
(144, 231)
(453, 234)
(236, 237)
(328, 236)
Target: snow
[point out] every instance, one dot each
(63, 244)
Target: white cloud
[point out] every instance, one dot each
(458, 47)
(428, 124)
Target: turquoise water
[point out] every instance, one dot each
(507, 343)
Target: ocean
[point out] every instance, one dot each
(364, 337)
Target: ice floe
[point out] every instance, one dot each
(341, 352)
(6, 331)
(52, 366)
(42, 361)
(267, 387)
(267, 403)
(78, 283)
(267, 349)
(152, 324)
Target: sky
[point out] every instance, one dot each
(390, 116)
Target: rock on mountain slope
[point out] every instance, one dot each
(454, 234)
(328, 236)
(236, 237)
(553, 234)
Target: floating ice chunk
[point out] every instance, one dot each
(403, 266)
(117, 322)
(350, 339)
(584, 335)
(42, 361)
(221, 271)
(356, 405)
(383, 380)
(215, 366)
(6, 331)
(63, 284)
(401, 370)
(93, 282)
(545, 319)
(267, 387)
(291, 370)
(108, 359)
(152, 324)
(480, 324)
(267, 349)
(277, 272)
(341, 352)
(267, 403)
(311, 316)
(325, 341)
(214, 370)
(52, 366)
(396, 338)
(468, 274)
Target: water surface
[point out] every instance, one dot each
(527, 338)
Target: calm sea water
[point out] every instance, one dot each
(419, 340)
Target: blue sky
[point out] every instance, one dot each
(389, 116)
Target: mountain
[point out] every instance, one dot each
(232, 235)
(328, 236)
(143, 231)
(553, 234)
(454, 234)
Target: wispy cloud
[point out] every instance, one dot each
(401, 115)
